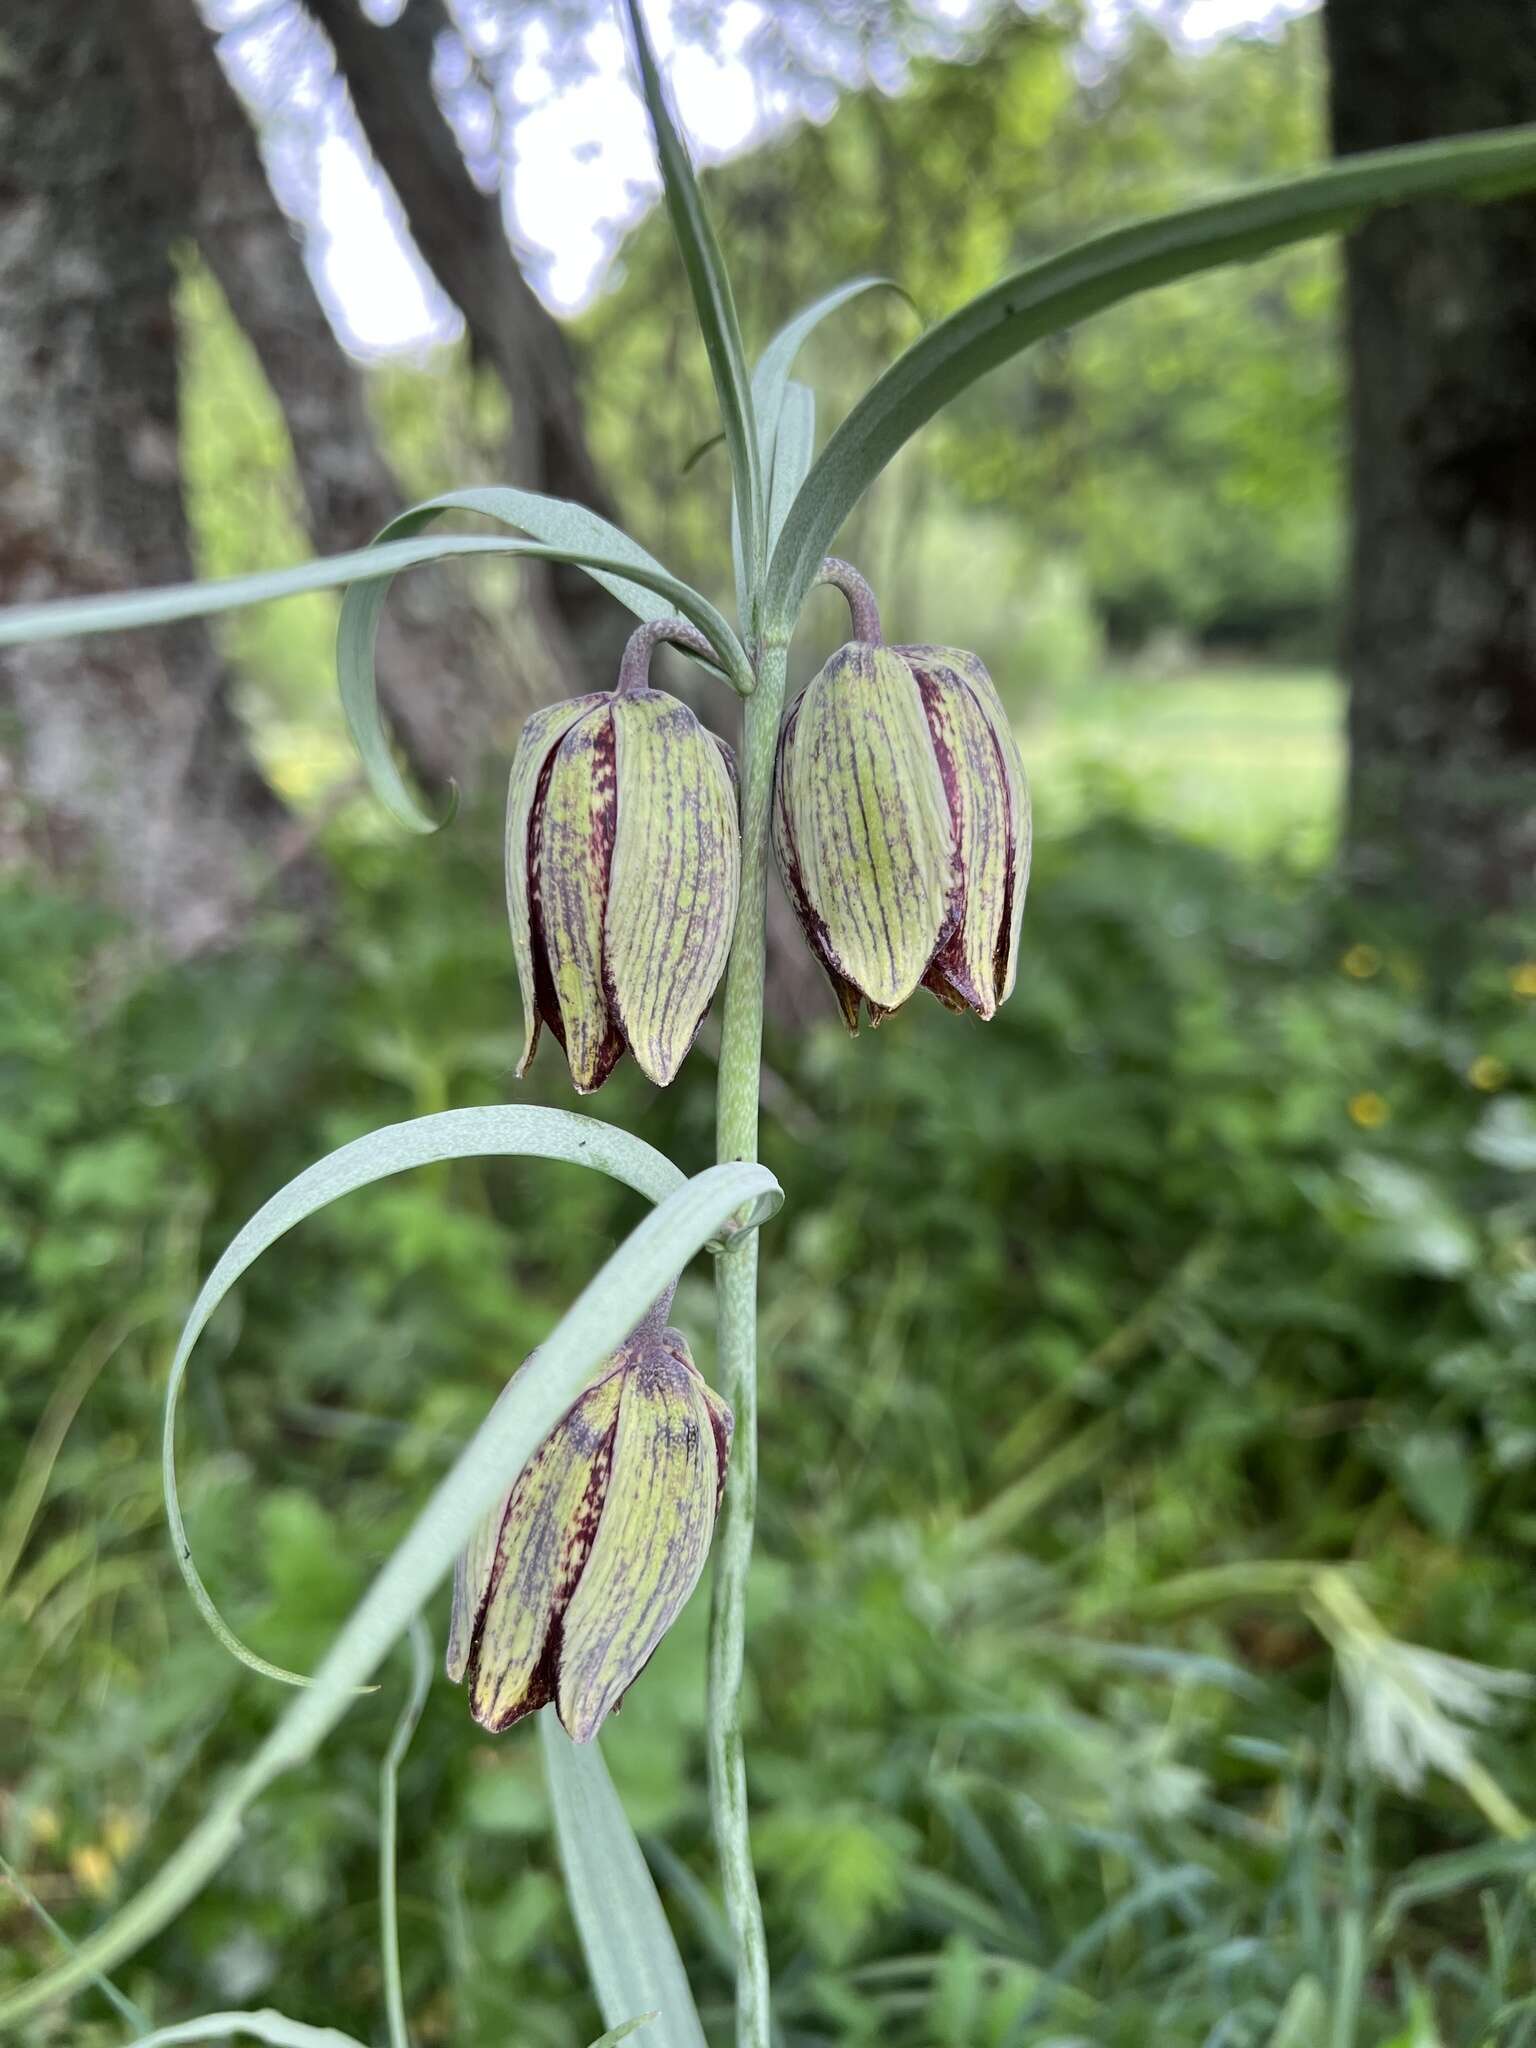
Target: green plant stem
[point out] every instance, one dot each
(741, 1045)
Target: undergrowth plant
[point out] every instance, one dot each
(637, 872)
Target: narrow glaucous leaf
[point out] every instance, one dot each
(1056, 293)
(495, 1131)
(794, 447)
(710, 284)
(265, 2025)
(770, 377)
(366, 574)
(62, 618)
(616, 2034)
(575, 536)
(720, 1202)
(632, 1958)
(673, 881)
(389, 1826)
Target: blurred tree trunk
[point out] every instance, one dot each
(1440, 640)
(442, 677)
(126, 766)
(462, 237)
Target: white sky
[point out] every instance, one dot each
(584, 168)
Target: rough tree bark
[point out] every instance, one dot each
(453, 694)
(126, 766)
(462, 238)
(1440, 635)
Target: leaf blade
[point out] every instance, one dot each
(770, 377)
(794, 449)
(632, 1958)
(565, 532)
(501, 1130)
(714, 302)
(1092, 276)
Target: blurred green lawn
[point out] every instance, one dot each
(1246, 758)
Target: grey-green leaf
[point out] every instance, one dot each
(770, 378)
(266, 2025)
(499, 1130)
(566, 533)
(794, 446)
(713, 300)
(632, 1959)
(1099, 273)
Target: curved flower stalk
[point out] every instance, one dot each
(580, 1570)
(623, 862)
(901, 822)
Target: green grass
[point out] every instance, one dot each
(1246, 758)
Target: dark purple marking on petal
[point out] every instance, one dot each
(576, 1543)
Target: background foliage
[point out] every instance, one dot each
(1211, 1261)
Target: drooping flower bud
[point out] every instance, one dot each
(901, 822)
(623, 859)
(580, 1571)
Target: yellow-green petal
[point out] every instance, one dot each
(652, 1538)
(572, 836)
(673, 883)
(541, 734)
(869, 823)
(546, 1534)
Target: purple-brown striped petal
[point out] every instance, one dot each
(652, 1538)
(673, 881)
(572, 834)
(536, 745)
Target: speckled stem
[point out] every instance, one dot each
(635, 663)
(861, 599)
(741, 1039)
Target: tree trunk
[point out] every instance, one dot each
(442, 679)
(128, 769)
(1440, 636)
(462, 238)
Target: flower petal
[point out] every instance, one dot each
(571, 833)
(1020, 828)
(871, 828)
(788, 857)
(540, 736)
(471, 1582)
(546, 1534)
(652, 1539)
(964, 971)
(673, 882)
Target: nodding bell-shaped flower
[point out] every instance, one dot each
(901, 822)
(623, 859)
(576, 1576)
